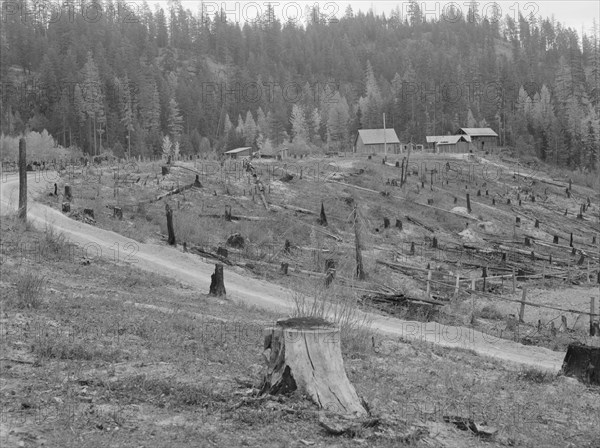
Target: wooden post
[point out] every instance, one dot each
(169, 212)
(305, 355)
(360, 273)
(514, 280)
(473, 285)
(468, 203)
(522, 310)
(571, 240)
(592, 312)
(217, 285)
(589, 272)
(398, 224)
(569, 272)
(543, 271)
(555, 239)
(386, 223)
(22, 214)
(457, 284)
(429, 283)
(484, 275)
(284, 268)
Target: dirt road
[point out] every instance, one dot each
(191, 270)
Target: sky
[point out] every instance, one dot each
(575, 14)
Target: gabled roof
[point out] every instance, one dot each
(238, 150)
(447, 139)
(377, 136)
(478, 132)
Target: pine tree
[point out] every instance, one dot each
(250, 130)
(175, 120)
(299, 126)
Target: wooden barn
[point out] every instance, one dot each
(456, 144)
(482, 138)
(373, 141)
(239, 152)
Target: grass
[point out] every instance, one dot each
(334, 306)
(30, 289)
(126, 376)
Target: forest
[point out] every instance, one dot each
(124, 78)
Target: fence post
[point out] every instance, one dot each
(514, 280)
(473, 285)
(522, 310)
(592, 312)
(457, 285)
(589, 274)
(428, 282)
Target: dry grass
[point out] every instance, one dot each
(31, 287)
(338, 306)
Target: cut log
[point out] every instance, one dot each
(582, 362)
(217, 285)
(306, 355)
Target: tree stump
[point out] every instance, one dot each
(88, 212)
(217, 285)
(518, 221)
(236, 240)
(170, 229)
(493, 201)
(398, 224)
(508, 201)
(322, 218)
(434, 243)
(68, 193)
(555, 240)
(284, 268)
(221, 251)
(66, 207)
(329, 271)
(582, 362)
(306, 355)
(164, 170)
(386, 223)
(118, 213)
(537, 224)
(197, 182)
(412, 248)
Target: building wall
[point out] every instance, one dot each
(361, 148)
(490, 142)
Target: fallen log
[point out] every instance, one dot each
(172, 192)
(419, 223)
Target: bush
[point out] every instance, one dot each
(490, 312)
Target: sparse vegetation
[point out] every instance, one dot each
(30, 288)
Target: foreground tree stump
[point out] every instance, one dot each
(217, 285)
(583, 363)
(306, 355)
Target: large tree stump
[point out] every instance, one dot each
(68, 193)
(306, 355)
(583, 363)
(217, 284)
(170, 229)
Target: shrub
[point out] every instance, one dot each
(30, 288)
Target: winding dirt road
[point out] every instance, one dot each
(191, 270)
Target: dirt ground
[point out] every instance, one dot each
(84, 367)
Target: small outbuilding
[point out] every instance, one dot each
(236, 153)
(373, 141)
(455, 144)
(482, 138)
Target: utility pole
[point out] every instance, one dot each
(384, 137)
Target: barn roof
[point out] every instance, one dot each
(377, 136)
(478, 132)
(238, 150)
(447, 139)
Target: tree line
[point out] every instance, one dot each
(125, 79)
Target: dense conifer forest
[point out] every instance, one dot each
(112, 76)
